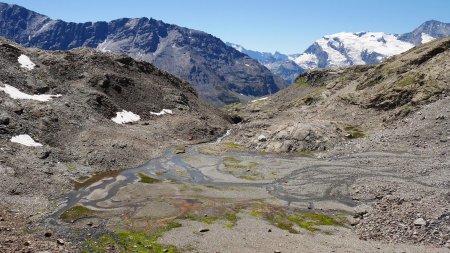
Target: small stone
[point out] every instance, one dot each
(353, 221)
(165, 250)
(262, 138)
(27, 243)
(420, 222)
(60, 242)
(90, 224)
(2, 219)
(276, 251)
(203, 230)
(48, 234)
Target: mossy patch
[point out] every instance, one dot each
(71, 166)
(292, 221)
(180, 149)
(229, 216)
(408, 80)
(305, 152)
(232, 106)
(132, 241)
(147, 179)
(301, 82)
(77, 212)
(233, 146)
(354, 132)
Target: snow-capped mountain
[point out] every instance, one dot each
(346, 49)
(278, 63)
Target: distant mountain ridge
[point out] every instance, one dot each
(346, 49)
(218, 72)
(280, 64)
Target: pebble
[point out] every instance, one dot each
(2, 219)
(60, 242)
(203, 230)
(420, 222)
(27, 243)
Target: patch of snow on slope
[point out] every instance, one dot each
(162, 112)
(104, 45)
(125, 117)
(259, 99)
(25, 62)
(15, 93)
(427, 38)
(26, 140)
(220, 139)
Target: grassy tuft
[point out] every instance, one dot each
(77, 212)
(147, 180)
(132, 241)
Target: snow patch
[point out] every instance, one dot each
(25, 62)
(26, 140)
(15, 93)
(259, 99)
(162, 112)
(427, 38)
(220, 139)
(125, 117)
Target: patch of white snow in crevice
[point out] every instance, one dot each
(26, 140)
(162, 112)
(25, 62)
(220, 139)
(426, 38)
(125, 117)
(15, 93)
(259, 99)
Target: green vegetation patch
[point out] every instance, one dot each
(232, 106)
(147, 180)
(71, 166)
(233, 146)
(132, 241)
(354, 132)
(301, 82)
(229, 216)
(408, 80)
(305, 152)
(291, 221)
(77, 212)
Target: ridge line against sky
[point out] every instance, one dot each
(287, 26)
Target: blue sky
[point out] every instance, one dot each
(288, 26)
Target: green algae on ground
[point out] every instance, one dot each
(229, 217)
(305, 152)
(146, 179)
(132, 241)
(354, 132)
(77, 212)
(291, 221)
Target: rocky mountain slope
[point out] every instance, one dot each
(397, 109)
(280, 64)
(219, 73)
(426, 32)
(67, 115)
(347, 49)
